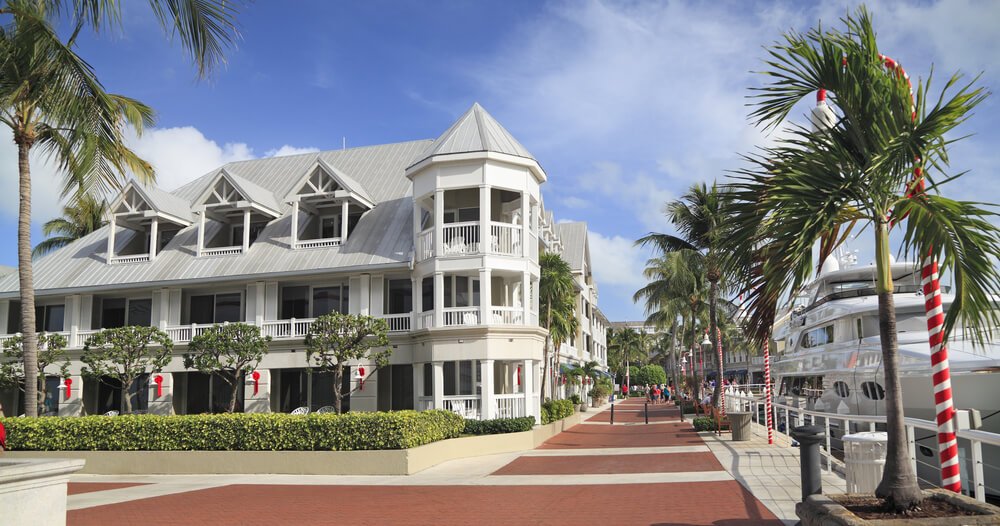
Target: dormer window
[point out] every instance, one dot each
(233, 213)
(332, 203)
(143, 221)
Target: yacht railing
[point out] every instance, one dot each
(786, 416)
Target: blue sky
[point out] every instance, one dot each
(625, 104)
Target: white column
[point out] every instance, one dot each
(271, 300)
(377, 304)
(111, 238)
(246, 230)
(164, 315)
(486, 296)
(261, 401)
(154, 235)
(417, 300)
(71, 396)
(438, 391)
(364, 306)
(201, 232)
(72, 311)
(524, 224)
(4, 310)
(295, 223)
(161, 395)
(86, 311)
(258, 315)
(438, 222)
(418, 385)
(485, 213)
(486, 396)
(526, 300)
(528, 388)
(343, 221)
(416, 217)
(439, 299)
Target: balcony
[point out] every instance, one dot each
(463, 239)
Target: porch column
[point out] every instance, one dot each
(486, 297)
(295, 223)
(439, 299)
(161, 395)
(343, 221)
(526, 298)
(438, 391)
(364, 298)
(111, 238)
(486, 244)
(154, 234)
(418, 386)
(438, 223)
(528, 390)
(164, 317)
(201, 232)
(259, 402)
(487, 409)
(72, 310)
(525, 211)
(246, 230)
(71, 396)
(417, 301)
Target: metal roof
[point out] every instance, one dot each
(166, 202)
(4, 269)
(476, 131)
(574, 241)
(384, 235)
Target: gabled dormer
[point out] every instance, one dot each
(332, 203)
(238, 209)
(153, 217)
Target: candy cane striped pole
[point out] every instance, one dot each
(722, 385)
(767, 393)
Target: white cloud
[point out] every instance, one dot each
(640, 194)
(45, 185)
(574, 202)
(616, 261)
(289, 150)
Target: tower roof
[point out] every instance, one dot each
(476, 131)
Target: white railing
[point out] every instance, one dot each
(505, 239)
(81, 337)
(137, 258)
(788, 416)
(424, 248)
(184, 333)
(292, 328)
(425, 320)
(510, 406)
(397, 322)
(507, 316)
(316, 243)
(460, 239)
(222, 251)
(461, 316)
(467, 406)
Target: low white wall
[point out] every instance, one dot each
(33, 490)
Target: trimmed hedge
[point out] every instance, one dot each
(499, 425)
(703, 423)
(553, 410)
(234, 432)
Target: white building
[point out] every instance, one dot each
(439, 237)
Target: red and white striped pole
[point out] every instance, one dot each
(722, 384)
(768, 393)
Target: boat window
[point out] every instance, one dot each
(841, 389)
(860, 332)
(873, 391)
(818, 336)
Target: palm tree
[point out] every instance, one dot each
(52, 101)
(802, 187)
(623, 349)
(699, 217)
(83, 216)
(557, 304)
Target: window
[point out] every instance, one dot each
(427, 294)
(49, 318)
(119, 312)
(164, 237)
(294, 302)
(255, 230)
(873, 391)
(329, 226)
(330, 299)
(817, 337)
(398, 296)
(140, 312)
(113, 313)
(215, 308)
(841, 389)
(461, 215)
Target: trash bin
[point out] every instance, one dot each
(864, 456)
(740, 422)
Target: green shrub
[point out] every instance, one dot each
(575, 398)
(234, 432)
(703, 423)
(499, 425)
(553, 410)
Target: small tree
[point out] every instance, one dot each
(335, 339)
(125, 353)
(227, 351)
(51, 352)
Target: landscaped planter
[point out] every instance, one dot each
(821, 510)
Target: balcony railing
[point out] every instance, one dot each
(222, 251)
(424, 248)
(507, 316)
(467, 406)
(505, 239)
(317, 243)
(134, 258)
(460, 239)
(509, 406)
(397, 322)
(461, 316)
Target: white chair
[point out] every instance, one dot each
(470, 318)
(326, 409)
(300, 411)
(111, 413)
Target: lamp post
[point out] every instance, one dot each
(706, 342)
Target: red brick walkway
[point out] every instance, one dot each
(554, 500)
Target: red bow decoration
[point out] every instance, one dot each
(159, 385)
(256, 381)
(69, 383)
(361, 378)
(519, 375)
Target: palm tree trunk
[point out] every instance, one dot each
(713, 291)
(555, 364)
(899, 482)
(694, 342)
(29, 339)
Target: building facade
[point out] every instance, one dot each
(438, 237)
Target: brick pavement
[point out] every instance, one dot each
(664, 484)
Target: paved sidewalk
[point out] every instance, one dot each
(627, 473)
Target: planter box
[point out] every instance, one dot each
(33, 490)
(820, 510)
